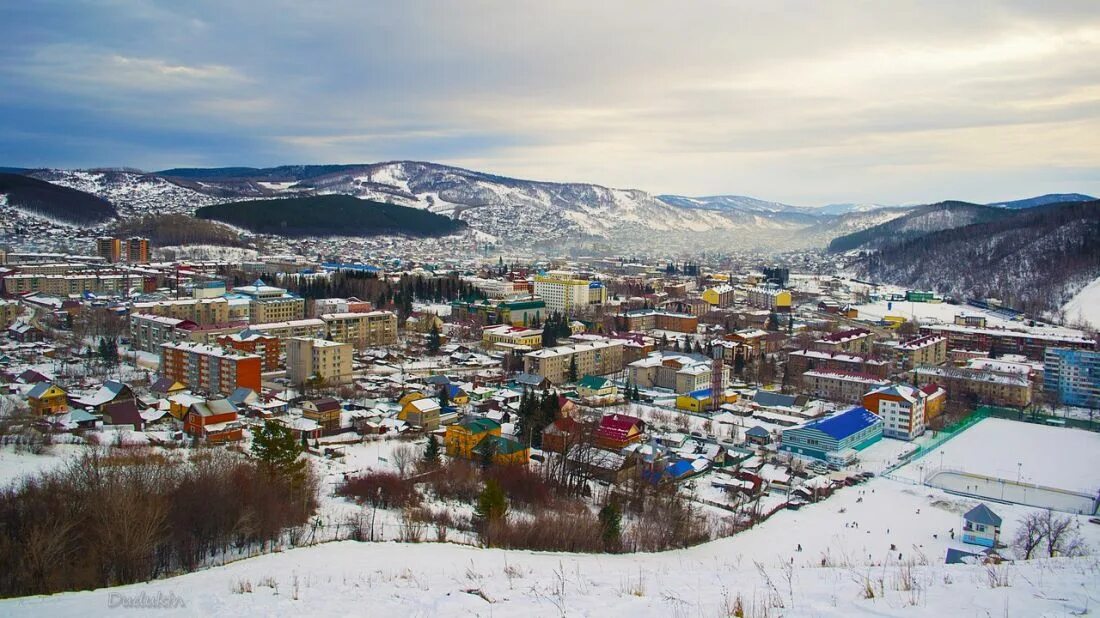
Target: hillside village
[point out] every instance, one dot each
(626, 391)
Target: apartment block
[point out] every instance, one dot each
(75, 283)
(902, 409)
(253, 342)
(978, 385)
(271, 304)
(209, 369)
(801, 361)
(563, 293)
(682, 373)
(110, 249)
(859, 341)
(999, 342)
(309, 327)
(926, 350)
(362, 330)
(1073, 375)
(197, 310)
(308, 358)
(599, 357)
(650, 319)
(774, 299)
(840, 386)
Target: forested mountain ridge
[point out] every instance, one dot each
(1032, 259)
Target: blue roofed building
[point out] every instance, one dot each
(835, 439)
(981, 526)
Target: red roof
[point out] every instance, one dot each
(618, 426)
(930, 388)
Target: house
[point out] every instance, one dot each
(180, 403)
(617, 431)
(601, 465)
(214, 420)
(166, 387)
(560, 435)
(462, 437)
(124, 412)
(531, 381)
(304, 427)
(47, 398)
(324, 410)
(504, 451)
(456, 395)
(595, 386)
(695, 401)
(110, 392)
(420, 411)
(981, 526)
(241, 397)
(834, 439)
(758, 435)
(31, 376)
(24, 332)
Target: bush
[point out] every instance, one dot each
(574, 531)
(115, 517)
(380, 489)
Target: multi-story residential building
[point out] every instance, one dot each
(148, 332)
(266, 347)
(322, 306)
(375, 328)
(598, 357)
(506, 337)
(313, 328)
(137, 250)
(682, 373)
(775, 299)
(569, 295)
(972, 320)
(981, 386)
(308, 359)
(999, 342)
(1073, 376)
(9, 311)
(209, 369)
(197, 310)
(110, 249)
(642, 320)
(801, 361)
(859, 341)
(100, 283)
(926, 350)
(840, 386)
(271, 304)
(719, 295)
(902, 409)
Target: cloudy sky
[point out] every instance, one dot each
(804, 102)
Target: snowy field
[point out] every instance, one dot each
(1085, 306)
(1056, 457)
(944, 313)
(865, 535)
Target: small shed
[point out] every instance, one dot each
(981, 526)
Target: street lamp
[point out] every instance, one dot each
(1019, 469)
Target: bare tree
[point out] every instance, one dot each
(1030, 535)
(403, 458)
(1062, 535)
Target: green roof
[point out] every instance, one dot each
(480, 425)
(523, 304)
(593, 382)
(501, 446)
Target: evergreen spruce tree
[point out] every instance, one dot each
(573, 368)
(433, 338)
(611, 527)
(432, 451)
(274, 445)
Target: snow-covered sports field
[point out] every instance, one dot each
(1035, 454)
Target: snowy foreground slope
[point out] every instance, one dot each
(762, 567)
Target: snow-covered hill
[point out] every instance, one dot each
(132, 193)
